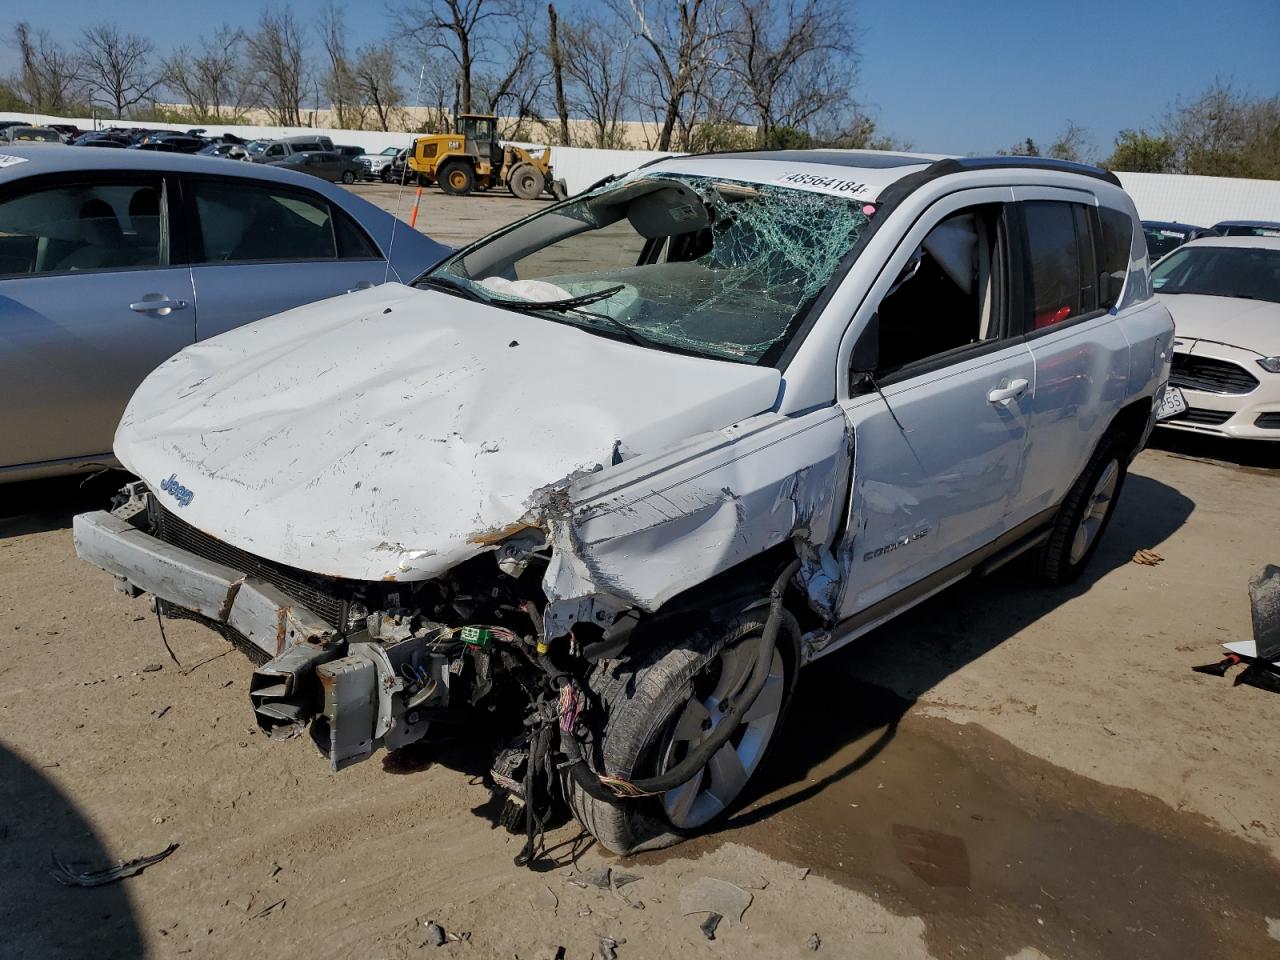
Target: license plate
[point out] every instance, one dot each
(1171, 404)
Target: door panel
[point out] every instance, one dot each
(231, 295)
(260, 249)
(72, 352)
(934, 490)
(89, 305)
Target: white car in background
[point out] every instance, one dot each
(376, 165)
(1224, 294)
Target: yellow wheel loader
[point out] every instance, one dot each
(472, 158)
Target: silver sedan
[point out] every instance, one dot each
(113, 261)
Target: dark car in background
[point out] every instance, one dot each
(1165, 236)
(1247, 228)
(171, 143)
(325, 164)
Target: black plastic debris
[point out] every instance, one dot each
(708, 926)
(68, 877)
(1260, 658)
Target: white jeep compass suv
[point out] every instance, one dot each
(618, 471)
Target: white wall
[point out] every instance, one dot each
(1202, 201)
(1197, 200)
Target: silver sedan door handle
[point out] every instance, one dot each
(158, 304)
(1015, 389)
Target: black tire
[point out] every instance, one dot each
(348, 177)
(526, 181)
(456, 178)
(1057, 565)
(386, 175)
(642, 701)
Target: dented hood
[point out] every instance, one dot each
(1249, 324)
(392, 433)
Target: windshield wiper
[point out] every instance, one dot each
(453, 286)
(564, 304)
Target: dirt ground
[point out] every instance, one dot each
(1007, 771)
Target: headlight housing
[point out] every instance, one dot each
(1270, 364)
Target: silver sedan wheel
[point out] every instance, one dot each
(718, 784)
(1095, 512)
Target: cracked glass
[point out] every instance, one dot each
(715, 267)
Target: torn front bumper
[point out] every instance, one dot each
(260, 612)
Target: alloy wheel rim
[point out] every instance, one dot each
(1095, 513)
(722, 780)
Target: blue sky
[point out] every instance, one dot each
(949, 77)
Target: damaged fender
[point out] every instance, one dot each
(644, 531)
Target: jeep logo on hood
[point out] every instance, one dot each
(177, 490)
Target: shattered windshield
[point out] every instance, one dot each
(714, 267)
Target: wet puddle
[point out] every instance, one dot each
(995, 849)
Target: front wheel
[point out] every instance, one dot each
(1085, 513)
(456, 178)
(660, 709)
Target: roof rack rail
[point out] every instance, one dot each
(941, 168)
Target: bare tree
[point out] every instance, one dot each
(1226, 134)
(340, 83)
(556, 57)
(48, 78)
(377, 83)
(281, 76)
(117, 65)
(212, 78)
(462, 29)
(792, 60)
(682, 42)
(599, 74)
(514, 93)
(1073, 143)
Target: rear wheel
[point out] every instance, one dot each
(457, 178)
(1085, 513)
(526, 181)
(661, 709)
(348, 177)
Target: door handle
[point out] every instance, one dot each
(362, 285)
(1015, 389)
(158, 304)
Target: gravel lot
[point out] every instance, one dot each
(1006, 771)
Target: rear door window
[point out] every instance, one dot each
(1059, 262)
(240, 222)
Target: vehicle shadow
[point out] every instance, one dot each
(871, 684)
(1263, 454)
(39, 916)
(37, 506)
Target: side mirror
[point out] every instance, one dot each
(866, 352)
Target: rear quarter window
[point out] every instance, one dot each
(1115, 246)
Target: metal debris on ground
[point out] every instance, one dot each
(96, 878)
(814, 942)
(269, 908)
(435, 934)
(708, 926)
(602, 878)
(544, 898)
(1148, 558)
(709, 895)
(608, 948)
